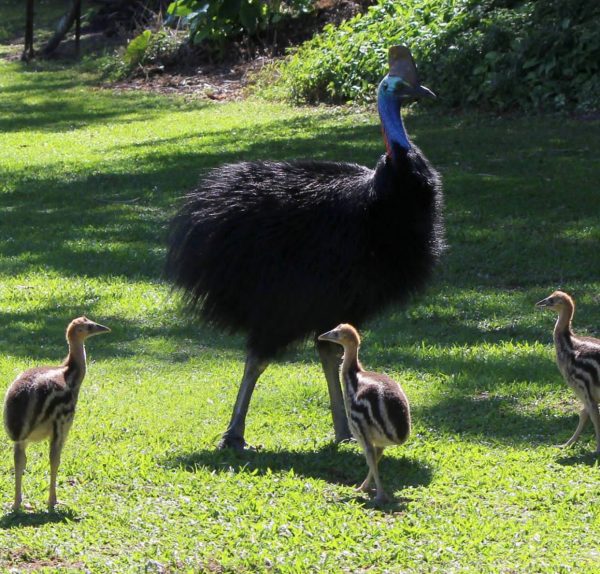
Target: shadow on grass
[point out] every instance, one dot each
(328, 463)
(496, 418)
(586, 458)
(47, 341)
(78, 225)
(395, 505)
(45, 98)
(23, 519)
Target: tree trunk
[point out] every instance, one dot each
(65, 24)
(78, 28)
(28, 49)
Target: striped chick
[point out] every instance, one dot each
(40, 404)
(377, 408)
(578, 360)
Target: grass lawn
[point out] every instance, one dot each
(88, 181)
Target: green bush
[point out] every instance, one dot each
(221, 20)
(490, 54)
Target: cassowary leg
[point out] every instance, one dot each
(365, 485)
(373, 454)
(331, 355)
(592, 409)
(583, 419)
(20, 462)
(233, 437)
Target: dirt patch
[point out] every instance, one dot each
(194, 73)
(27, 561)
(225, 82)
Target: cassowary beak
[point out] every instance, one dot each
(543, 303)
(403, 73)
(97, 329)
(329, 336)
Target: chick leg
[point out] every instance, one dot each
(365, 485)
(20, 462)
(56, 445)
(583, 418)
(592, 409)
(371, 454)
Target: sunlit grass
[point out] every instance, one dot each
(88, 181)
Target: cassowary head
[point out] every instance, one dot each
(344, 334)
(558, 301)
(402, 82)
(398, 87)
(82, 328)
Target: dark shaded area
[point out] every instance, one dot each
(587, 458)
(70, 111)
(48, 343)
(34, 519)
(327, 463)
(495, 418)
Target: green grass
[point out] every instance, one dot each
(88, 181)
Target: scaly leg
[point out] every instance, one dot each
(365, 485)
(330, 355)
(233, 437)
(56, 445)
(373, 455)
(583, 418)
(20, 462)
(592, 409)
(366, 482)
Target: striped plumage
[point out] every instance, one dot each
(377, 408)
(40, 404)
(578, 360)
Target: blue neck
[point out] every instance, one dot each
(394, 133)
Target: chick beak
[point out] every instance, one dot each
(98, 329)
(329, 336)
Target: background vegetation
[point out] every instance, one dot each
(490, 54)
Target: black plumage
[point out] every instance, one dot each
(281, 251)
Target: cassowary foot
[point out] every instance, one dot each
(364, 489)
(382, 498)
(343, 437)
(22, 507)
(234, 442)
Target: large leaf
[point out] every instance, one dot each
(229, 9)
(181, 8)
(250, 14)
(137, 47)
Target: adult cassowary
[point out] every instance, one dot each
(281, 251)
